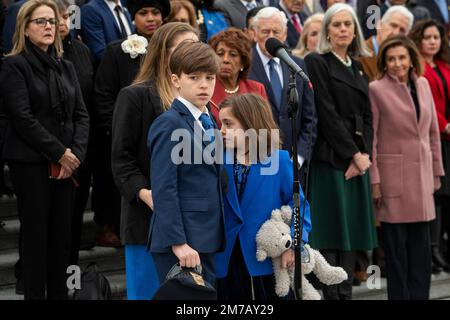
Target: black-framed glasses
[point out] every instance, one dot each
(67, 15)
(42, 22)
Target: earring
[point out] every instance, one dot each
(242, 69)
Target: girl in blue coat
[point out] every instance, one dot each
(260, 180)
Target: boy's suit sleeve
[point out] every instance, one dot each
(287, 178)
(168, 218)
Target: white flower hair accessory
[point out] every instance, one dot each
(135, 45)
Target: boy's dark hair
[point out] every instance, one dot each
(251, 14)
(190, 57)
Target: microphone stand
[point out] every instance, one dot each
(293, 106)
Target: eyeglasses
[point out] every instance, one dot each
(42, 22)
(66, 16)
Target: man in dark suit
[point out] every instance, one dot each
(275, 76)
(235, 11)
(10, 24)
(103, 21)
(296, 17)
(439, 9)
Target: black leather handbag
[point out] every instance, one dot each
(94, 285)
(185, 284)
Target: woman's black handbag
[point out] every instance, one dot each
(94, 285)
(185, 284)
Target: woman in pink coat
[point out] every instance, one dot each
(406, 166)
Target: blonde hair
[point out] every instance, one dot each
(301, 50)
(177, 5)
(155, 66)
(23, 19)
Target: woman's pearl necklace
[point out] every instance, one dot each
(232, 91)
(347, 63)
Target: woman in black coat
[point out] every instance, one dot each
(117, 69)
(48, 127)
(136, 108)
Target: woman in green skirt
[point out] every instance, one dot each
(340, 194)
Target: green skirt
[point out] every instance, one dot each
(341, 211)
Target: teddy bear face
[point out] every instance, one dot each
(273, 239)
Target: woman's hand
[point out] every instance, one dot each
(437, 183)
(362, 161)
(188, 257)
(376, 195)
(352, 171)
(288, 259)
(69, 160)
(64, 173)
(146, 196)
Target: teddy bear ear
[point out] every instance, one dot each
(261, 255)
(276, 215)
(286, 214)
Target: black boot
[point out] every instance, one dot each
(438, 260)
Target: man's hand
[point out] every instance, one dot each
(188, 257)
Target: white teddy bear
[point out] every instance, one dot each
(273, 238)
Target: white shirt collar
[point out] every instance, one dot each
(196, 113)
(265, 59)
(111, 4)
(247, 2)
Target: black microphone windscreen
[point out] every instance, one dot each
(272, 46)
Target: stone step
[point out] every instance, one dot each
(107, 259)
(9, 231)
(116, 280)
(440, 289)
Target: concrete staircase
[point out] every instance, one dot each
(111, 261)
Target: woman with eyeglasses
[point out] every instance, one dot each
(45, 143)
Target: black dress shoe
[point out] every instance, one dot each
(435, 269)
(438, 260)
(19, 287)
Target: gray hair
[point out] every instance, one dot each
(269, 12)
(400, 10)
(63, 5)
(357, 47)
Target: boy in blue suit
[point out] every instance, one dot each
(187, 224)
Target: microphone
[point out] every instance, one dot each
(277, 49)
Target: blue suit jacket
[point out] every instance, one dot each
(99, 26)
(10, 24)
(262, 194)
(307, 117)
(187, 197)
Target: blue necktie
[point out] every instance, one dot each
(207, 124)
(275, 83)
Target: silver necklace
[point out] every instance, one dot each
(346, 63)
(232, 91)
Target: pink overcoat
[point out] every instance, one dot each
(406, 152)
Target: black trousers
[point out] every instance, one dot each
(45, 212)
(407, 250)
(345, 260)
(106, 199)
